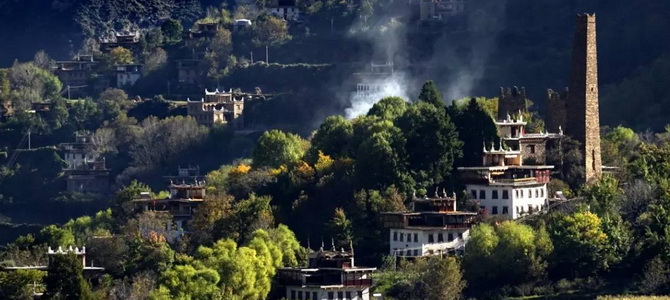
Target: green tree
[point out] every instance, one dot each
(475, 128)
(276, 148)
(381, 160)
(293, 255)
(244, 271)
(341, 228)
(270, 31)
(64, 278)
(188, 281)
(389, 108)
(247, 216)
(425, 278)
(432, 143)
(112, 102)
(18, 284)
(580, 245)
(172, 31)
(121, 56)
(430, 93)
(56, 237)
(508, 254)
(332, 138)
(122, 206)
(441, 279)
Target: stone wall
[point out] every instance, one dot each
(533, 152)
(556, 110)
(511, 101)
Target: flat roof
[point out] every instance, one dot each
(417, 213)
(182, 200)
(504, 168)
(310, 270)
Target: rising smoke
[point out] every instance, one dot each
(458, 62)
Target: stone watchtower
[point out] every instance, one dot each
(511, 102)
(583, 122)
(556, 110)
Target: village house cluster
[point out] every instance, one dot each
(511, 181)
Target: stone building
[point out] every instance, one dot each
(221, 107)
(75, 73)
(438, 10)
(182, 203)
(127, 75)
(556, 110)
(511, 101)
(191, 71)
(218, 107)
(203, 31)
(85, 170)
(504, 185)
(128, 40)
(577, 110)
(533, 146)
(432, 227)
(328, 275)
(284, 9)
(375, 81)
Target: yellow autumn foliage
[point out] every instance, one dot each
(304, 170)
(241, 169)
(324, 163)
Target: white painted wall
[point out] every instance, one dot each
(423, 246)
(306, 293)
(518, 202)
(286, 13)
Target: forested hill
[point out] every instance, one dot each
(530, 44)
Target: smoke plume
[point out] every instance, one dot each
(458, 61)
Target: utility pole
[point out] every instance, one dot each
(267, 59)
(252, 57)
(68, 92)
(28, 139)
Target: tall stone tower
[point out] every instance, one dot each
(583, 120)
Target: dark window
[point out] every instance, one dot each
(440, 237)
(348, 295)
(402, 237)
(460, 235)
(300, 295)
(292, 294)
(494, 210)
(505, 195)
(331, 295)
(505, 210)
(340, 295)
(450, 237)
(482, 194)
(474, 194)
(416, 252)
(409, 237)
(430, 238)
(315, 296)
(494, 194)
(360, 294)
(482, 207)
(395, 235)
(537, 193)
(416, 238)
(531, 148)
